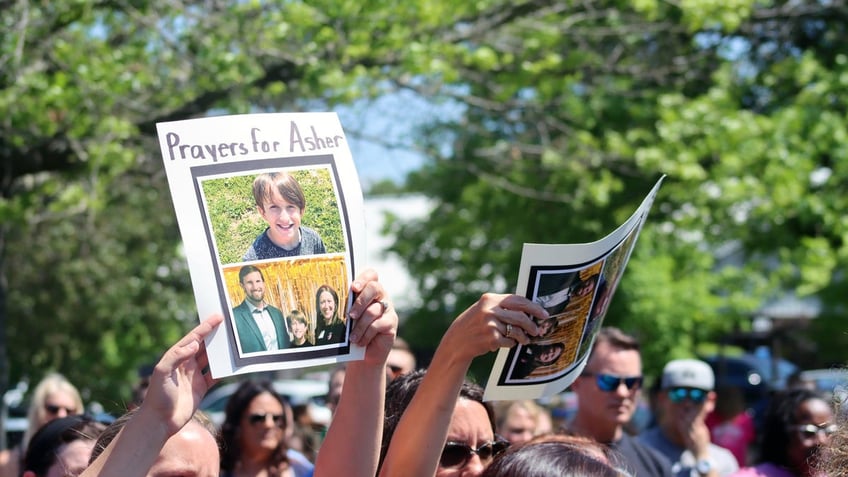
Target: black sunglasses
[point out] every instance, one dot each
(693, 394)
(457, 454)
(255, 419)
(611, 382)
(53, 409)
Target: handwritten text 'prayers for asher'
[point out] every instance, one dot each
(256, 145)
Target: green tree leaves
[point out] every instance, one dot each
(746, 127)
(560, 116)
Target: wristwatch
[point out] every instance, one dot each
(703, 466)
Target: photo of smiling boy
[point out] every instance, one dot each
(281, 203)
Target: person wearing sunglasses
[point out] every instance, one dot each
(54, 397)
(168, 416)
(436, 421)
(685, 399)
(797, 425)
(465, 448)
(607, 392)
(253, 435)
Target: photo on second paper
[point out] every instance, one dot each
(280, 240)
(567, 294)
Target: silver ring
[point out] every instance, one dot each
(385, 305)
(508, 330)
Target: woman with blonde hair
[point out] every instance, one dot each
(53, 397)
(520, 421)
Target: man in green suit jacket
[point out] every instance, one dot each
(259, 326)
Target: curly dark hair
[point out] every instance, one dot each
(399, 394)
(779, 417)
(236, 406)
(834, 461)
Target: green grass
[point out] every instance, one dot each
(236, 223)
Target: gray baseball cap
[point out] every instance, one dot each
(688, 373)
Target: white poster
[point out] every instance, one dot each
(270, 211)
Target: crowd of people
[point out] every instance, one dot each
(391, 418)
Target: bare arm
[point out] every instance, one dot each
(352, 445)
(420, 435)
(176, 388)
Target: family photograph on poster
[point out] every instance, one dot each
(270, 210)
(280, 238)
(574, 283)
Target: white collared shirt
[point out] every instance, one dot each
(266, 326)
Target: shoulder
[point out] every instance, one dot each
(297, 457)
(311, 241)
(310, 232)
(258, 248)
(724, 458)
(650, 436)
(257, 245)
(654, 440)
(299, 463)
(762, 470)
(639, 453)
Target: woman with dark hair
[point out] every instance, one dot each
(470, 412)
(62, 447)
(554, 456)
(535, 356)
(329, 326)
(253, 440)
(797, 423)
(436, 421)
